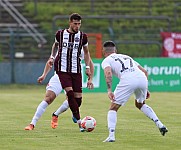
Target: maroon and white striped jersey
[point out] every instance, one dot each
(70, 45)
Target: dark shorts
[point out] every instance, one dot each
(73, 80)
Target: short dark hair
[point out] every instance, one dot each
(109, 44)
(75, 16)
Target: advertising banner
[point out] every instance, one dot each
(171, 46)
(164, 75)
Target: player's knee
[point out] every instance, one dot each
(138, 105)
(49, 97)
(70, 95)
(79, 101)
(114, 107)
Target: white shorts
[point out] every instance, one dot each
(126, 88)
(54, 85)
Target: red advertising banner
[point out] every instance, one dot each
(171, 46)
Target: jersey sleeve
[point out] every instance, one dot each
(85, 40)
(57, 36)
(105, 63)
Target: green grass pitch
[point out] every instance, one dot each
(134, 130)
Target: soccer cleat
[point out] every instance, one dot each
(109, 139)
(54, 121)
(163, 130)
(74, 119)
(82, 129)
(29, 127)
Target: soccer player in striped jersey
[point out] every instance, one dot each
(67, 62)
(53, 89)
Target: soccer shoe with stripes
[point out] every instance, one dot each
(163, 130)
(109, 139)
(29, 127)
(54, 121)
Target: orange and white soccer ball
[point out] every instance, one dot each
(88, 123)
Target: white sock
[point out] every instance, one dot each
(62, 108)
(39, 111)
(79, 123)
(148, 111)
(112, 120)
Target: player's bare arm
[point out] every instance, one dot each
(87, 61)
(89, 83)
(53, 54)
(47, 69)
(108, 77)
(143, 70)
(91, 68)
(49, 63)
(54, 49)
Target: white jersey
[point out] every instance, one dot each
(122, 66)
(132, 79)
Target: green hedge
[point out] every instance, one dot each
(122, 29)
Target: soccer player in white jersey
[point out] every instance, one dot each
(133, 80)
(53, 89)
